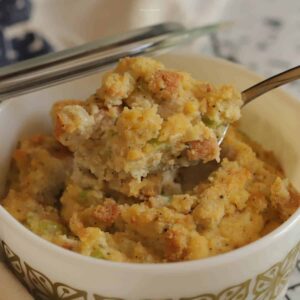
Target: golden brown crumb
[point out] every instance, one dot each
(107, 213)
(202, 150)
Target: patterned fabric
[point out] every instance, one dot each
(24, 44)
(293, 292)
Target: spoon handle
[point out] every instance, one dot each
(270, 84)
(48, 70)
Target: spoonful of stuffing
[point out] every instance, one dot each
(145, 122)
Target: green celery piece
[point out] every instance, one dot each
(51, 227)
(83, 197)
(97, 253)
(209, 123)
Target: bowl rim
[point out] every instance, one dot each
(181, 266)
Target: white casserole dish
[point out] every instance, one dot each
(257, 271)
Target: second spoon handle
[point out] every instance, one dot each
(270, 84)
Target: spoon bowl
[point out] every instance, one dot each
(261, 88)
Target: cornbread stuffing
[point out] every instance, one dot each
(110, 182)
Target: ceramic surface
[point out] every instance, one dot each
(258, 271)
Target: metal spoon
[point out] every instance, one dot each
(48, 70)
(261, 88)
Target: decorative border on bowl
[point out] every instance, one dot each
(266, 286)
